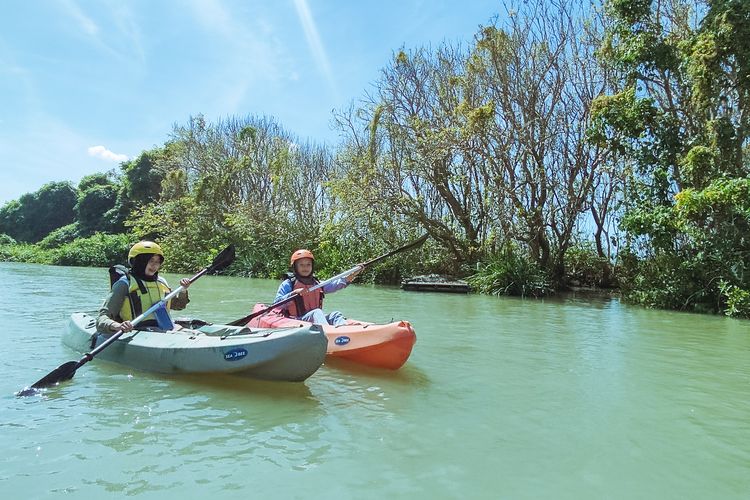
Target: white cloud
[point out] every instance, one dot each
(314, 42)
(32, 154)
(106, 154)
(85, 22)
(213, 15)
(253, 56)
(119, 35)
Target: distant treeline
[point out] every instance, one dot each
(565, 145)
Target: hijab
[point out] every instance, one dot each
(138, 267)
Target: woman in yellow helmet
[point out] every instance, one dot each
(137, 289)
(308, 306)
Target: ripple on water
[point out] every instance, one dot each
(523, 398)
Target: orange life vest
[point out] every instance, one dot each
(302, 304)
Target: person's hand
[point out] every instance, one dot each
(351, 277)
(185, 282)
(125, 326)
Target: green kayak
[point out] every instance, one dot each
(284, 354)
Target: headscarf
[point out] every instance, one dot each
(138, 267)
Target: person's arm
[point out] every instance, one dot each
(182, 299)
(338, 284)
(285, 288)
(110, 309)
(335, 285)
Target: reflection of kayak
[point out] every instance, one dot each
(291, 354)
(381, 346)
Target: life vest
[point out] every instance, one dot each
(141, 296)
(302, 304)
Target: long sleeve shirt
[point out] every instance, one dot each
(110, 309)
(286, 288)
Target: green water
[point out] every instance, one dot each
(501, 398)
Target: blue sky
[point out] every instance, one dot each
(87, 84)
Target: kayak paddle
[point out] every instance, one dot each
(348, 272)
(67, 370)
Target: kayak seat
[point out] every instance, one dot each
(191, 323)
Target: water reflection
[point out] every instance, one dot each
(409, 375)
(157, 425)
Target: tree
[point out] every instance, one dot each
(95, 204)
(34, 215)
(542, 77)
(682, 123)
(244, 179)
(487, 145)
(412, 152)
(142, 177)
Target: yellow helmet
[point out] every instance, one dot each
(144, 247)
(301, 254)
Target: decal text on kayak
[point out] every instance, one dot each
(343, 340)
(235, 354)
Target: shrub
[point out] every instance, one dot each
(6, 240)
(688, 281)
(510, 272)
(98, 250)
(583, 266)
(60, 236)
(737, 299)
(24, 252)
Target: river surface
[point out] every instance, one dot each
(502, 398)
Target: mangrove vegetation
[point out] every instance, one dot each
(565, 145)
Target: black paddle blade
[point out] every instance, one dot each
(63, 372)
(223, 260)
(413, 244)
(418, 242)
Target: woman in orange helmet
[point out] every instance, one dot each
(308, 306)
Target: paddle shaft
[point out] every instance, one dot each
(414, 243)
(345, 274)
(364, 265)
(290, 297)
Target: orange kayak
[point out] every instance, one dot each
(381, 346)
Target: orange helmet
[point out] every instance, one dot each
(301, 254)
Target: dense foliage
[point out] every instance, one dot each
(97, 250)
(563, 146)
(34, 215)
(681, 125)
